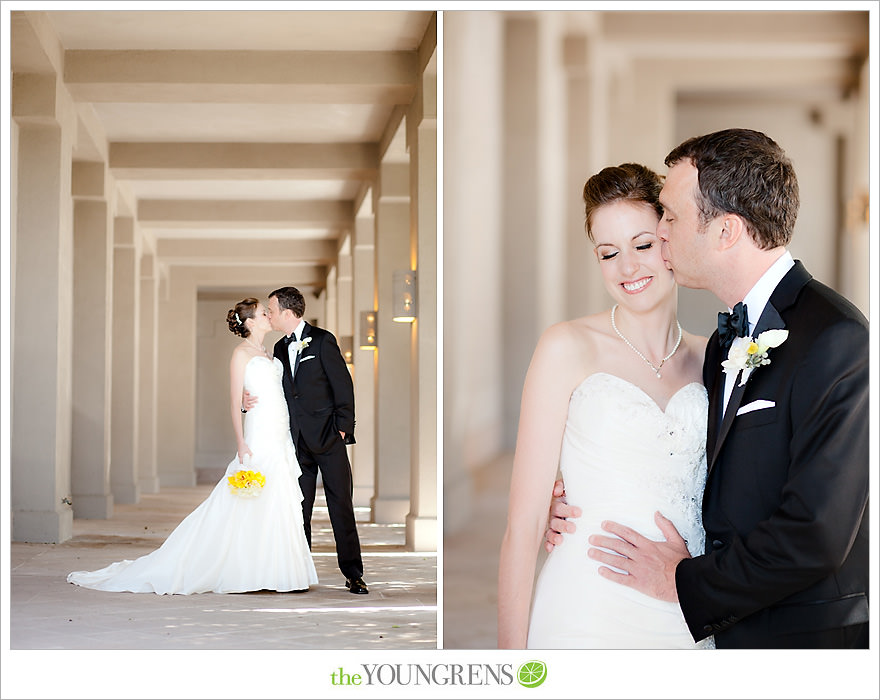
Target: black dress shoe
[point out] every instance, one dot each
(356, 585)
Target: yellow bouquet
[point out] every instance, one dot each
(246, 482)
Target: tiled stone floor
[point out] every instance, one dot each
(46, 612)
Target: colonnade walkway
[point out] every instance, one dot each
(46, 612)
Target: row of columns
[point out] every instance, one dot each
(104, 335)
(395, 458)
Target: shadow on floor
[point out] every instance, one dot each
(46, 612)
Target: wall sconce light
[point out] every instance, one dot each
(404, 290)
(346, 345)
(368, 330)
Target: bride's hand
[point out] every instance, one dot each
(559, 511)
(243, 450)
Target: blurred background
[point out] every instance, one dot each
(535, 103)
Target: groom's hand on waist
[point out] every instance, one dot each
(248, 401)
(559, 511)
(649, 565)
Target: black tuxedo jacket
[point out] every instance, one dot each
(319, 391)
(785, 505)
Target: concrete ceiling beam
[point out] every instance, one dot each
(327, 77)
(230, 161)
(273, 214)
(241, 251)
(819, 29)
(265, 277)
(754, 74)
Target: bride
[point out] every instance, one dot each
(615, 401)
(248, 534)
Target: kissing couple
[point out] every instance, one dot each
(293, 415)
(715, 490)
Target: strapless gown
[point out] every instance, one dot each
(622, 459)
(231, 543)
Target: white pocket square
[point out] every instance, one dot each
(755, 406)
(303, 359)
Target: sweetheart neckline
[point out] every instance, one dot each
(262, 357)
(638, 388)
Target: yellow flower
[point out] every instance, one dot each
(246, 482)
(747, 354)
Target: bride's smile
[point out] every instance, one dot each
(637, 286)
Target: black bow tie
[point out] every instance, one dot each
(288, 339)
(732, 325)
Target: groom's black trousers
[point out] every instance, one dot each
(336, 477)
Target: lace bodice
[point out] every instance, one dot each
(623, 457)
(268, 420)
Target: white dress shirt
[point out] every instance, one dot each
(291, 349)
(755, 301)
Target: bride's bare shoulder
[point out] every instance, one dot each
(577, 338)
(241, 354)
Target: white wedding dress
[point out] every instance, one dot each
(622, 459)
(232, 543)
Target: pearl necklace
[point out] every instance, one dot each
(636, 351)
(261, 348)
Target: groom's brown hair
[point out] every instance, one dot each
(290, 298)
(744, 172)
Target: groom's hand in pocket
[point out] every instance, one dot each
(559, 511)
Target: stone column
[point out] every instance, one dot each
(42, 334)
(126, 332)
(330, 319)
(473, 252)
(520, 220)
(92, 344)
(586, 134)
(344, 296)
(344, 323)
(147, 474)
(394, 420)
(176, 379)
(364, 290)
(421, 521)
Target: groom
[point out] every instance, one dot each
(320, 402)
(785, 503)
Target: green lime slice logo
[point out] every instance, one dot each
(531, 674)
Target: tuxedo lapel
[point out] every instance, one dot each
(305, 334)
(281, 352)
(769, 319)
(787, 290)
(783, 296)
(729, 414)
(716, 394)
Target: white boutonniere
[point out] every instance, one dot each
(748, 353)
(301, 345)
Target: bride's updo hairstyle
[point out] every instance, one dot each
(236, 317)
(629, 181)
